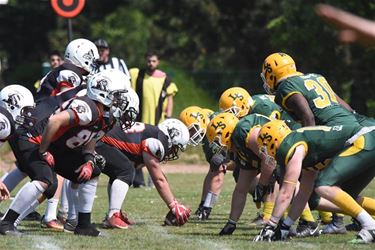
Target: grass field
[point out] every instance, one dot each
(145, 206)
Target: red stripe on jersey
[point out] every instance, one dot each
(59, 86)
(132, 148)
(36, 140)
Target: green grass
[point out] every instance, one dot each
(145, 206)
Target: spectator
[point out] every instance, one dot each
(107, 62)
(155, 91)
(55, 59)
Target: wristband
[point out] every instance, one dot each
(87, 156)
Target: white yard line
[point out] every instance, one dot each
(44, 242)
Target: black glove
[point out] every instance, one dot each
(266, 234)
(260, 191)
(99, 161)
(217, 160)
(282, 232)
(204, 213)
(228, 228)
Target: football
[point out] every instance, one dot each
(170, 220)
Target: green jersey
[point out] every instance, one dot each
(321, 143)
(320, 97)
(265, 105)
(245, 158)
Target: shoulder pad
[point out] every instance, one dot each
(155, 148)
(5, 127)
(69, 76)
(82, 110)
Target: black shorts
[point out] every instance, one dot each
(118, 165)
(29, 162)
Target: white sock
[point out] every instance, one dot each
(12, 179)
(30, 209)
(109, 186)
(64, 203)
(30, 192)
(72, 195)
(210, 200)
(86, 195)
(367, 222)
(119, 190)
(51, 210)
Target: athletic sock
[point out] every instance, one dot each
(119, 190)
(307, 215)
(11, 216)
(86, 195)
(30, 209)
(368, 204)
(367, 222)
(64, 202)
(12, 179)
(267, 209)
(26, 196)
(51, 209)
(210, 200)
(72, 195)
(347, 204)
(325, 217)
(84, 220)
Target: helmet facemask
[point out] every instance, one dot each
(266, 87)
(217, 147)
(26, 117)
(269, 159)
(196, 134)
(118, 104)
(233, 110)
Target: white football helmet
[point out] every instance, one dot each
(18, 100)
(82, 53)
(127, 115)
(178, 137)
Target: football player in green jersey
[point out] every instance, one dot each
(352, 151)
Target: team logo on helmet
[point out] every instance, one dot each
(173, 132)
(196, 115)
(72, 80)
(89, 55)
(101, 84)
(236, 96)
(220, 124)
(265, 137)
(2, 125)
(13, 99)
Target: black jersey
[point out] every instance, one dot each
(66, 75)
(138, 139)
(89, 123)
(7, 125)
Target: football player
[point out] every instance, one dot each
(73, 130)
(80, 60)
(141, 144)
(304, 150)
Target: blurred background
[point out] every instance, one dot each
(206, 46)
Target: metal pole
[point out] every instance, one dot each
(70, 30)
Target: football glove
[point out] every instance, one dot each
(229, 228)
(181, 213)
(204, 213)
(47, 157)
(99, 161)
(266, 234)
(216, 161)
(85, 171)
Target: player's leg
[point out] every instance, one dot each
(49, 219)
(62, 213)
(120, 171)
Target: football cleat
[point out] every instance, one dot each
(55, 224)
(307, 229)
(364, 237)
(117, 220)
(336, 226)
(354, 226)
(127, 219)
(8, 228)
(87, 231)
(70, 226)
(62, 216)
(258, 221)
(205, 213)
(33, 216)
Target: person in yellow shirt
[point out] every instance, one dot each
(155, 91)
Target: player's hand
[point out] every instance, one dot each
(199, 209)
(229, 228)
(4, 192)
(85, 171)
(180, 211)
(216, 161)
(261, 191)
(266, 234)
(282, 232)
(47, 157)
(99, 161)
(204, 213)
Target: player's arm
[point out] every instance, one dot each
(305, 189)
(161, 183)
(301, 109)
(55, 122)
(292, 173)
(344, 104)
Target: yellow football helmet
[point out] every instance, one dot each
(219, 131)
(196, 121)
(271, 135)
(237, 101)
(276, 67)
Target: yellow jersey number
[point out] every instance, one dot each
(326, 96)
